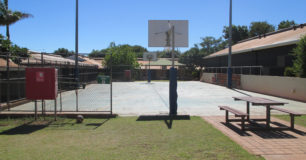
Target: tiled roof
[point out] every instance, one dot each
(3, 63)
(271, 40)
(163, 62)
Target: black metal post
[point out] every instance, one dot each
(35, 110)
(8, 80)
(42, 65)
(111, 84)
(76, 51)
(55, 108)
(229, 70)
(60, 90)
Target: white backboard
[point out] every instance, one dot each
(160, 33)
(152, 56)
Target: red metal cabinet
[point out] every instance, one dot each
(41, 83)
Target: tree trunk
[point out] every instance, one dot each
(8, 32)
(7, 26)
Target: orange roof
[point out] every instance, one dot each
(93, 61)
(271, 40)
(3, 63)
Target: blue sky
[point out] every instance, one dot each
(126, 21)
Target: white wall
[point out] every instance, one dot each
(287, 87)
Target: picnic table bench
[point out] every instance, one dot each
(291, 113)
(258, 101)
(237, 113)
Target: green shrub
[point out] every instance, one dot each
(299, 63)
(289, 71)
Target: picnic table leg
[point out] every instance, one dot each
(268, 119)
(248, 111)
(242, 123)
(292, 121)
(226, 116)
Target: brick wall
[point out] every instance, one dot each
(221, 79)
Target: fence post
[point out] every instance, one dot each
(8, 81)
(241, 70)
(60, 92)
(111, 84)
(35, 102)
(55, 108)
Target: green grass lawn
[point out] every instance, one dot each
(297, 120)
(118, 138)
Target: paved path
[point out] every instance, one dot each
(272, 145)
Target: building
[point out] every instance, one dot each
(267, 54)
(160, 68)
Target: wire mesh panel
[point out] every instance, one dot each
(90, 91)
(126, 73)
(95, 94)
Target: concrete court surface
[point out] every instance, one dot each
(142, 98)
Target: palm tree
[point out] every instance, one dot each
(8, 17)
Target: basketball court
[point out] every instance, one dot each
(142, 98)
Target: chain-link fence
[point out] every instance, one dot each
(90, 91)
(248, 70)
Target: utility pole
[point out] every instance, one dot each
(229, 68)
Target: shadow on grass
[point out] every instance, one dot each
(26, 128)
(72, 125)
(97, 125)
(166, 118)
(34, 126)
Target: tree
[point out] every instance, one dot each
(285, 24)
(63, 52)
(260, 28)
(8, 17)
(238, 33)
(211, 45)
(138, 50)
(299, 63)
(98, 53)
(192, 57)
(15, 51)
(168, 54)
(121, 55)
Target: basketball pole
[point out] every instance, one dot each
(173, 43)
(149, 71)
(173, 81)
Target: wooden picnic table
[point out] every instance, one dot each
(258, 101)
